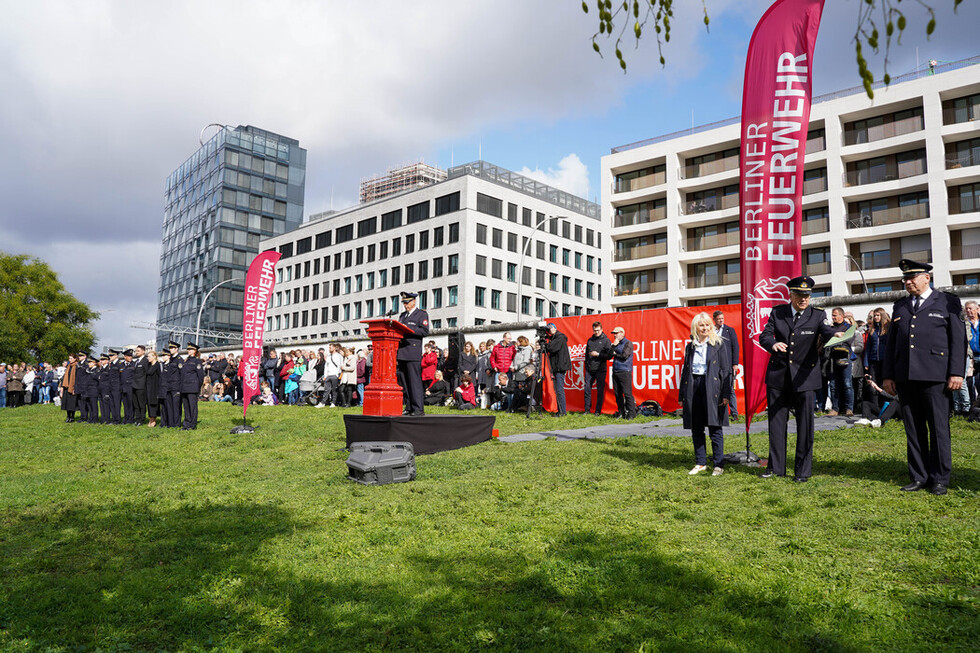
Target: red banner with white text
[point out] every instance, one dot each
(658, 336)
(775, 120)
(260, 281)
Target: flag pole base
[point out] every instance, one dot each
(746, 458)
(242, 428)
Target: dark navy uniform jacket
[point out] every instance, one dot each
(90, 387)
(191, 374)
(801, 361)
(929, 345)
(126, 374)
(109, 379)
(170, 377)
(410, 347)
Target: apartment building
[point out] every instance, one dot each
(896, 177)
(484, 246)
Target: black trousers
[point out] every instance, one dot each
(623, 387)
(781, 401)
(139, 405)
(104, 402)
(92, 412)
(410, 379)
(699, 422)
(599, 379)
(127, 406)
(171, 406)
(114, 407)
(188, 404)
(925, 411)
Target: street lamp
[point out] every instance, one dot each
(197, 330)
(860, 271)
(550, 301)
(520, 265)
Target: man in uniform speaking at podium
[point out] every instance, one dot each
(410, 354)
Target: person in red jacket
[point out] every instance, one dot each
(430, 362)
(287, 369)
(465, 393)
(502, 356)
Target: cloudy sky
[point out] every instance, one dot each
(100, 100)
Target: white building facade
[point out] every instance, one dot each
(896, 177)
(484, 246)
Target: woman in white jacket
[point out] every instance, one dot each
(348, 377)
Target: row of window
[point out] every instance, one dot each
(495, 207)
(568, 257)
(362, 310)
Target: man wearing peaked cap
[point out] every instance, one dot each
(191, 379)
(126, 386)
(925, 360)
(792, 337)
(409, 356)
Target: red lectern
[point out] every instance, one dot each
(383, 396)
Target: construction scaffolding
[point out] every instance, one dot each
(398, 180)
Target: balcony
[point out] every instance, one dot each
(888, 216)
(816, 144)
(636, 183)
(971, 158)
(962, 252)
(881, 132)
(814, 186)
(885, 173)
(639, 288)
(698, 243)
(710, 280)
(883, 259)
(642, 216)
(814, 269)
(640, 251)
(716, 203)
(710, 167)
(818, 226)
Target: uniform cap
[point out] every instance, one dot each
(83, 353)
(911, 268)
(104, 357)
(173, 344)
(193, 346)
(112, 352)
(801, 285)
(409, 296)
(128, 352)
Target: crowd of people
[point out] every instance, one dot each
(22, 383)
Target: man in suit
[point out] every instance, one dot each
(731, 339)
(191, 379)
(409, 356)
(140, 366)
(925, 359)
(792, 338)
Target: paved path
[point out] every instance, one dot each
(662, 428)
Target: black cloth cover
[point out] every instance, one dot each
(428, 434)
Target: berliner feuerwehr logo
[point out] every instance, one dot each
(766, 294)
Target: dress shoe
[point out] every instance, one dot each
(914, 486)
(405, 413)
(831, 413)
(769, 474)
(801, 479)
(938, 489)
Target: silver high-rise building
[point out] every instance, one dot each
(243, 185)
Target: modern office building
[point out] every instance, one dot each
(243, 185)
(477, 247)
(884, 180)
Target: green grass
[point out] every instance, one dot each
(125, 538)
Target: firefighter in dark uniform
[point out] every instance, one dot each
(116, 365)
(925, 360)
(191, 378)
(90, 396)
(792, 338)
(109, 386)
(140, 366)
(81, 382)
(126, 386)
(163, 388)
(104, 379)
(171, 380)
(410, 354)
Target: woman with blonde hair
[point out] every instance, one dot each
(705, 385)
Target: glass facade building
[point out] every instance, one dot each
(245, 184)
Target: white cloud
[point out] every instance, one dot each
(571, 176)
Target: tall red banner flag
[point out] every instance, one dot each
(259, 284)
(775, 120)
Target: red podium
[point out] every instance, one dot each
(383, 396)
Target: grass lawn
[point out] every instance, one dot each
(126, 538)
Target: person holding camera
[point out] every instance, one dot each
(560, 361)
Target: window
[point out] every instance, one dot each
(304, 245)
(512, 212)
(590, 290)
(489, 205)
(566, 229)
(526, 217)
(437, 298)
(423, 299)
(396, 275)
(367, 227)
(512, 272)
(409, 272)
(578, 260)
(578, 287)
(496, 266)
(396, 247)
(359, 255)
(423, 270)
(539, 246)
(348, 255)
(437, 267)
(495, 299)
(553, 253)
(391, 220)
(345, 234)
(498, 238)
(565, 256)
(589, 237)
(326, 264)
(481, 265)
(286, 250)
(370, 280)
(358, 283)
(453, 264)
(370, 253)
(382, 306)
(423, 240)
(565, 281)
(539, 307)
(347, 285)
(447, 203)
(418, 212)
(409, 243)
(511, 301)
(481, 234)
(453, 295)
(539, 278)
(480, 297)
(336, 287)
(512, 242)
(552, 281)
(383, 250)
(437, 236)
(382, 278)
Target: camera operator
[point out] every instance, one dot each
(556, 344)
